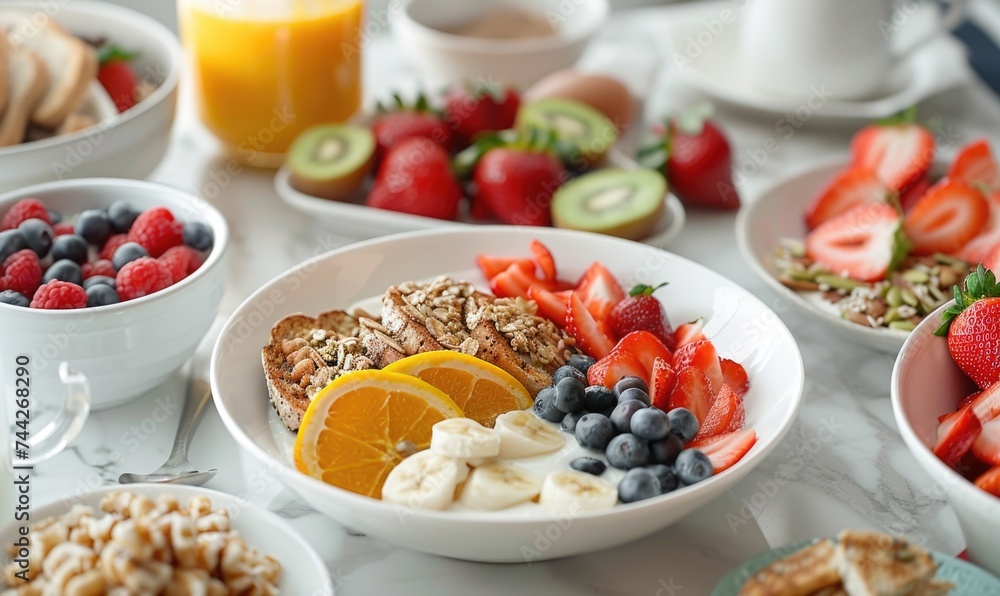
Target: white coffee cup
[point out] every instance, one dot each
(842, 46)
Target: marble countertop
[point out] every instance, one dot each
(842, 465)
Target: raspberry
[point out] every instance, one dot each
(21, 272)
(98, 267)
(59, 295)
(142, 277)
(22, 210)
(112, 244)
(182, 261)
(63, 228)
(156, 231)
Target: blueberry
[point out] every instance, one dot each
(666, 476)
(122, 216)
(634, 393)
(545, 405)
(581, 362)
(64, 270)
(683, 423)
(692, 466)
(568, 371)
(588, 465)
(628, 451)
(94, 226)
(11, 241)
(126, 253)
(70, 246)
(55, 216)
(569, 421)
(101, 295)
(650, 424)
(594, 431)
(638, 484)
(37, 236)
(14, 298)
(665, 450)
(197, 235)
(97, 280)
(569, 395)
(598, 398)
(621, 416)
(629, 381)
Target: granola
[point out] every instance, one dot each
(321, 358)
(438, 305)
(528, 334)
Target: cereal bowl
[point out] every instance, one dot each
(128, 348)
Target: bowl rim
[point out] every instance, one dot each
(315, 486)
(136, 20)
(462, 43)
(213, 217)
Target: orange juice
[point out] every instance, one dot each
(265, 70)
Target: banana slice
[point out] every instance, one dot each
(498, 485)
(569, 491)
(425, 480)
(522, 434)
(464, 438)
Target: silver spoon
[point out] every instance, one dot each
(177, 469)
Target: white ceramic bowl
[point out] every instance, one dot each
(303, 571)
(123, 349)
(447, 58)
(130, 144)
(926, 383)
(741, 326)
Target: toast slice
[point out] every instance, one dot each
(871, 563)
(802, 573)
(27, 82)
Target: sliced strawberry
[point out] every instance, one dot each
(552, 305)
(987, 241)
(734, 375)
(692, 391)
(689, 333)
(990, 481)
(986, 404)
(914, 193)
(491, 266)
(543, 258)
(956, 436)
(975, 164)
(701, 355)
(865, 243)
(513, 282)
(849, 189)
(599, 291)
(582, 326)
(899, 154)
(987, 445)
(726, 415)
(725, 450)
(662, 383)
(948, 216)
(609, 370)
(647, 348)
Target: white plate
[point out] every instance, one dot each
(742, 327)
(302, 570)
(357, 221)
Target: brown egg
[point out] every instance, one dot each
(603, 93)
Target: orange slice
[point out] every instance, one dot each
(482, 390)
(361, 425)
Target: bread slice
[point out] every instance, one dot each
(27, 81)
(871, 563)
(803, 573)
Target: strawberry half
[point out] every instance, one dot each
(662, 384)
(725, 416)
(491, 265)
(987, 445)
(990, 481)
(543, 258)
(987, 241)
(552, 305)
(600, 291)
(948, 216)
(689, 333)
(971, 326)
(582, 326)
(900, 153)
(609, 370)
(851, 188)
(703, 356)
(725, 450)
(647, 348)
(956, 436)
(692, 391)
(866, 243)
(735, 376)
(516, 281)
(976, 165)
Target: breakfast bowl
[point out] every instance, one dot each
(449, 42)
(740, 325)
(129, 144)
(127, 348)
(927, 384)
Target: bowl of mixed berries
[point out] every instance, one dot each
(120, 278)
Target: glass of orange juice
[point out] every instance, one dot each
(265, 70)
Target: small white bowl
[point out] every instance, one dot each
(130, 144)
(926, 383)
(123, 349)
(448, 58)
(302, 570)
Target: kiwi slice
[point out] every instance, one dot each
(582, 132)
(613, 201)
(331, 160)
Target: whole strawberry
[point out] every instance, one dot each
(392, 126)
(972, 326)
(415, 177)
(473, 109)
(640, 311)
